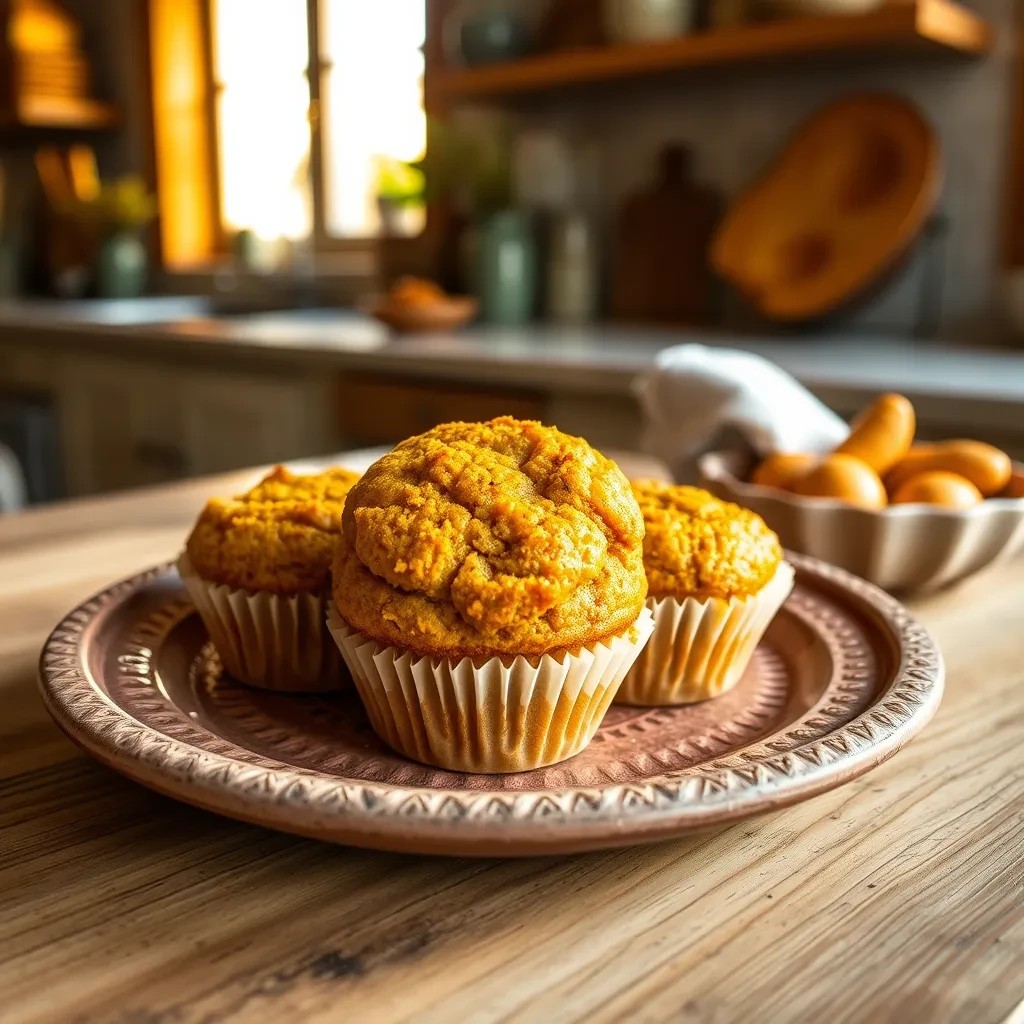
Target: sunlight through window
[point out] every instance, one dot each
(372, 103)
(260, 60)
(372, 119)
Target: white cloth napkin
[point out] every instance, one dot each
(695, 395)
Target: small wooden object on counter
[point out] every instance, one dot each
(661, 272)
(798, 252)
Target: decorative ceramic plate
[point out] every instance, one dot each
(843, 678)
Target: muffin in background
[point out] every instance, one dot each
(716, 579)
(257, 568)
(489, 594)
(281, 484)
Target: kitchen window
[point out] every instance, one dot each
(286, 118)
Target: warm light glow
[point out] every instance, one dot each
(371, 111)
(38, 26)
(260, 58)
(184, 159)
(372, 102)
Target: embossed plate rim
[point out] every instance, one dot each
(473, 822)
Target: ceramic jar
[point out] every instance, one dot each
(573, 269)
(507, 268)
(121, 267)
(497, 32)
(639, 21)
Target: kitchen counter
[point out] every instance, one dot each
(603, 358)
(895, 898)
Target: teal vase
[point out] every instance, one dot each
(122, 267)
(506, 276)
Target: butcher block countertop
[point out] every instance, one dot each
(899, 897)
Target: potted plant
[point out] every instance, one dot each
(116, 215)
(469, 172)
(400, 197)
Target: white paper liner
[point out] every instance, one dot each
(267, 640)
(489, 716)
(700, 648)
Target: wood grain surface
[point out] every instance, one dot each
(899, 897)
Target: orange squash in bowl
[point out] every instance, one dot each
(849, 195)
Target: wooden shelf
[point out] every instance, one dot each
(32, 119)
(939, 26)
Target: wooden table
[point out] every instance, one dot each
(899, 897)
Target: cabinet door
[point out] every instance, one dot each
(383, 410)
(232, 421)
(22, 368)
(96, 427)
(120, 425)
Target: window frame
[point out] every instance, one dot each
(414, 248)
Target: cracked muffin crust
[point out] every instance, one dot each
(476, 539)
(278, 536)
(696, 545)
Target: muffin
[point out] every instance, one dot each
(489, 594)
(716, 577)
(257, 568)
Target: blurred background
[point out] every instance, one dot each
(240, 231)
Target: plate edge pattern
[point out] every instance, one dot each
(688, 795)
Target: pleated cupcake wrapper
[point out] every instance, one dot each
(490, 715)
(267, 640)
(700, 648)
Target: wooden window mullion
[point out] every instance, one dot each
(214, 87)
(316, 147)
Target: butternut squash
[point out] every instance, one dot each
(844, 201)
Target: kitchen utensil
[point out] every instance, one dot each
(903, 548)
(843, 679)
(660, 271)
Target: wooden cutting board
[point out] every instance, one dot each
(661, 272)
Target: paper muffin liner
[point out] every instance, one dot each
(271, 641)
(700, 648)
(488, 715)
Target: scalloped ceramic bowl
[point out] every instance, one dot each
(902, 548)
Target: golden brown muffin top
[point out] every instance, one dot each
(699, 546)
(505, 537)
(278, 536)
(281, 484)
